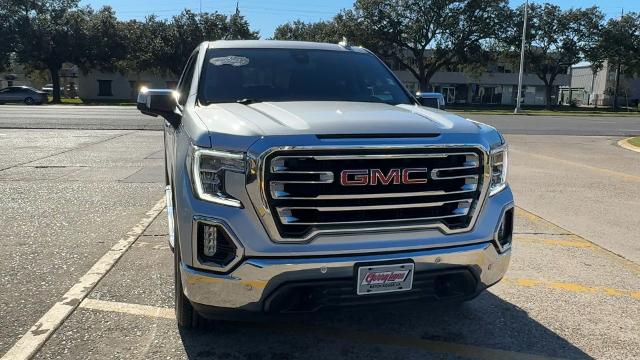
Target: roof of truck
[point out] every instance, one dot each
(281, 44)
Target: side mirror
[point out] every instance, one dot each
(159, 102)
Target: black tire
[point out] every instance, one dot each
(186, 316)
(29, 101)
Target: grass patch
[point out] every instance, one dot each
(78, 101)
(635, 141)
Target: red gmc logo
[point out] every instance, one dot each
(376, 176)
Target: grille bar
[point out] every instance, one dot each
(294, 221)
(281, 194)
(374, 207)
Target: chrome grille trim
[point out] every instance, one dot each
(259, 191)
(370, 221)
(375, 207)
(279, 194)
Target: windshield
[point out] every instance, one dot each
(253, 75)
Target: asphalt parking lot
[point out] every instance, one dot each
(83, 215)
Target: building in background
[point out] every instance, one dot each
(497, 85)
(589, 88)
(115, 86)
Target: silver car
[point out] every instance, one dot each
(23, 94)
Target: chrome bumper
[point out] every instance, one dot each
(254, 279)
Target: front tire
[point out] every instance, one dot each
(29, 101)
(186, 316)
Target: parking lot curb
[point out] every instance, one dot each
(624, 143)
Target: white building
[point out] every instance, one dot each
(496, 86)
(596, 89)
(116, 86)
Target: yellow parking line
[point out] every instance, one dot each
(572, 287)
(470, 351)
(619, 259)
(573, 242)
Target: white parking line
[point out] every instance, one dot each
(127, 308)
(39, 333)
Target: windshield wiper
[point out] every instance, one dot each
(248, 101)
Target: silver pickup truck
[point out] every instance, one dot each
(303, 176)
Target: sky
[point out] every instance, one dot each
(266, 15)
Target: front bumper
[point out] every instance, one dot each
(254, 280)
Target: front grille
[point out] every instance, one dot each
(304, 192)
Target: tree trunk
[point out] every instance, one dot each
(424, 85)
(547, 96)
(615, 89)
(55, 80)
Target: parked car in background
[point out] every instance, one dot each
(432, 100)
(24, 94)
(49, 89)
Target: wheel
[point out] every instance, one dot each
(186, 316)
(29, 101)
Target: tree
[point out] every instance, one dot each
(53, 32)
(321, 31)
(556, 40)
(426, 35)
(165, 46)
(238, 28)
(618, 46)
(8, 10)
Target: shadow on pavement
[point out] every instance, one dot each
(487, 328)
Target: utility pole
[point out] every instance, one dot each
(200, 7)
(524, 39)
(618, 69)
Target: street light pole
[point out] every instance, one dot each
(524, 39)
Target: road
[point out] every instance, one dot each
(127, 118)
(73, 197)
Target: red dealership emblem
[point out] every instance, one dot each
(364, 177)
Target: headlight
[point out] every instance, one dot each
(209, 170)
(498, 170)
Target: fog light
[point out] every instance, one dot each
(209, 240)
(215, 246)
(504, 234)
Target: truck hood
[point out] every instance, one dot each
(329, 118)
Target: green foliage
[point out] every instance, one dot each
(422, 36)
(426, 35)
(164, 46)
(44, 34)
(53, 32)
(322, 31)
(556, 39)
(618, 43)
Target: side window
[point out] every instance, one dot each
(187, 78)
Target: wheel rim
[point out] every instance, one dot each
(28, 101)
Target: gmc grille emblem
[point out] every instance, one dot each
(376, 176)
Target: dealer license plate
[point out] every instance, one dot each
(377, 279)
